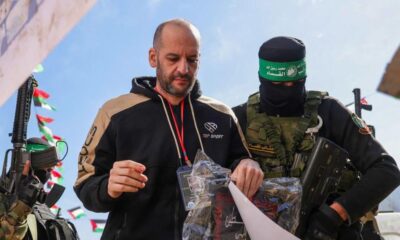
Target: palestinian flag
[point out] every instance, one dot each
(98, 225)
(57, 138)
(43, 120)
(37, 93)
(48, 134)
(59, 167)
(49, 184)
(56, 141)
(52, 139)
(60, 144)
(56, 177)
(55, 209)
(38, 69)
(41, 102)
(76, 213)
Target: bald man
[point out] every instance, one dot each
(129, 162)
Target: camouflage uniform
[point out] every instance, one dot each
(14, 212)
(13, 219)
(284, 148)
(281, 123)
(287, 157)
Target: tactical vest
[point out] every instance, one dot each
(50, 227)
(282, 144)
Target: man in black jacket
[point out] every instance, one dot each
(128, 164)
(281, 122)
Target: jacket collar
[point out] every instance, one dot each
(144, 86)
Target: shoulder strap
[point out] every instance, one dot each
(313, 100)
(56, 228)
(32, 226)
(42, 213)
(253, 106)
(254, 98)
(61, 229)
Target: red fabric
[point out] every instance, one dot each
(40, 93)
(42, 119)
(363, 101)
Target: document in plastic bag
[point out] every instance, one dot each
(259, 226)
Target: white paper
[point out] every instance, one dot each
(29, 30)
(259, 226)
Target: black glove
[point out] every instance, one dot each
(324, 224)
(31, 190)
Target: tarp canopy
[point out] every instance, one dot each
(390, 83)
(29, 30)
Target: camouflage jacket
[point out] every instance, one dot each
(13, 219)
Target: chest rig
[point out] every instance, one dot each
(282, 144)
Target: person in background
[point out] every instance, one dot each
(27, 217)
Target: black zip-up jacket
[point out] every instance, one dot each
(380, 174)
(139, 126)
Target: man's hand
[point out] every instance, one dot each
(248, 176)
(30, 188)
(27, 166)
(126, 176)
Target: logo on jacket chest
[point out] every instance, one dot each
(211, 132)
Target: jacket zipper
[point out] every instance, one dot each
(177, 231)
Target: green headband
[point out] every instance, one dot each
(282, 71)
(32, 147)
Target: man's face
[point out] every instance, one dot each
(176, 60)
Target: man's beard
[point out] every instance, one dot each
(166, 83)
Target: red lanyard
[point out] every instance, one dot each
(180, 133)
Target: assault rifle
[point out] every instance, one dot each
(29, 189)
(10, 182)
(320, 178)
(359, 106)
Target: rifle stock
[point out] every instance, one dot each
(320, 178)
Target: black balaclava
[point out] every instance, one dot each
(282, 60)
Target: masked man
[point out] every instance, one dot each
(281, 123)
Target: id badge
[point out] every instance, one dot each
(184, 179)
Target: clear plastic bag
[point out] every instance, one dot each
(280, 200)
(215, 215)
(209, 219)
(206, 178)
